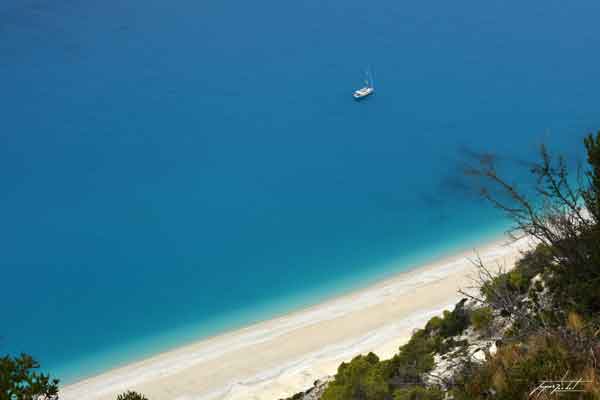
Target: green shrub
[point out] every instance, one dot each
(434, 323)
(455, 322)
(450, 324)
(481, 318)
(414, 358)
(534, 262)
(19, 379)
(518, 280)
(519, 368)
(360, 379)
(130, 395)
(418, 393)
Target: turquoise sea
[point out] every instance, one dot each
(172, 170)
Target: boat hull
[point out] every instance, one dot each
(362, 93)
(361, 96)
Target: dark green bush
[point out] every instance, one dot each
(418, 393)
(455, 322)
(519, 368)
(131, 395)
(481, 318)
(360, 379)
(19, 379)
(414, 358)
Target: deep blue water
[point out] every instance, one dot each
(170, 170)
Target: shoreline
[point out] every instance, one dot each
(284, 355)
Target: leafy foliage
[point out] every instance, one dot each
(130, 395)
(419, 393)
(554, 332)
(481, 318)
(20, 381)
(361, 379)
(454, 322)
(367, 378)
(517, 369)
(563, 213)
(414, 359)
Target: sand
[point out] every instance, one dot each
(285, 355)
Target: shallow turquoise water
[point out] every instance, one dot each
(173, 170)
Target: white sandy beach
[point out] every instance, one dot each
(282, 356)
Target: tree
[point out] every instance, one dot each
(553, 319)
(19, 381)
(360, 379)
(592, 198)
(562, 212)
(130, 395)
(419, 393)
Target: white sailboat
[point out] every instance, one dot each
(367, 90)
